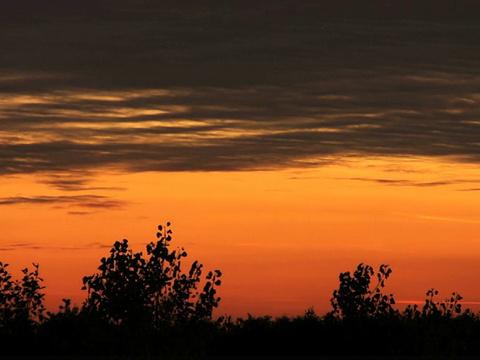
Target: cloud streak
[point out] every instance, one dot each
(32, 246)
(86, 201)
(404, 182)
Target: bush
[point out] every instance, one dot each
(152, 291)
(355, 299)
(21, 302)
(21, 310)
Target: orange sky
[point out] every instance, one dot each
(281, 238)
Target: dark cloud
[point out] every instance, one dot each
(403, 182)
(80, 213)
(88, 201)
(32, 246)
(75, 182)
(17, 246)
(293, 88)
(93, 245)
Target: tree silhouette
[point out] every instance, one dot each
(21, 302)
(134, 290)
(434, 308)
(355, 299)
(148, 306)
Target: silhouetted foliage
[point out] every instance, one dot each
(355, 299)
(21, 302)
(147, 306)
(150, 291)
(432, 308)
(21, 309)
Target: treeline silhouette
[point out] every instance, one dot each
(148, 306)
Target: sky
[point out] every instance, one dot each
(286, 142)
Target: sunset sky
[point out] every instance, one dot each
(286, 142)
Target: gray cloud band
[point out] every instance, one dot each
(298, 129)
(264, 97)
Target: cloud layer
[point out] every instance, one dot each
(231, 90)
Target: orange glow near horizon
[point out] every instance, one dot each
(280, 237)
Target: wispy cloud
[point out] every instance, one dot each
(33, 246)
(404, 182)
(80, 212)
(449, 219)
(87, 201)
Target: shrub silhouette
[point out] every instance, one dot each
(434, 308)
(152, 291)
(355, 299)
(21, 310)
(21, 302)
